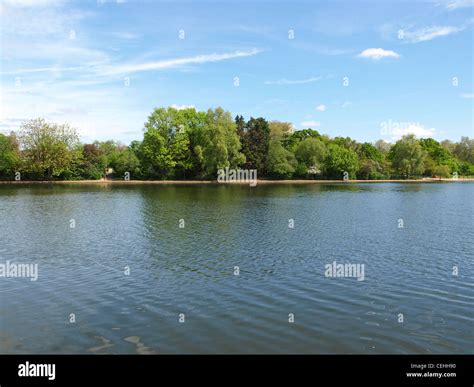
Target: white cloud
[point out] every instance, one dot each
(182, 107)
(310, 124)
(456, 4)
(429, 33)
(29, 3)
(38, 70)
(469, 96)
(97, 113)
(346, 104)
(37, 22)
(284, 81)
(420, 131)
(396, 130)
(378, 53)
(170, 63)
(321, 108)
(124, 35)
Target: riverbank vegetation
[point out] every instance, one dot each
(188, 144)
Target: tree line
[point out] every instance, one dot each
(189, 144)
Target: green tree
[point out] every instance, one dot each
(48, 148)
(442, 171)
(347, 142)
(255, 143)
(92, 162)
(281, 162)
(166, 149)
(448, 145)
(466, 169)
(217, 145)
(10, 158)
(291, 141)
(383, 146)
(372, 164)
(341, 160)
(464, 150)
(240, 124)
(438, 158)
(407, 157)
(311, 154)
(370, 170)
(125, 160)
(370, 152)
(280, 130)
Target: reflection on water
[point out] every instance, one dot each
(105, 343)
(140, 348)
(127, 270)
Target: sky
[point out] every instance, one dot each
(365, 69)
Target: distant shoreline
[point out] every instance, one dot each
(214, 182)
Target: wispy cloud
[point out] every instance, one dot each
(310, 124)
(456, 4)
(468, 96)
(284, 81)
(125, 35)
(319, 48)
(99, 64)
(170, 63)
(346, 104)
(429, 33)
(39, 70)
(378, 53)
(321, 108)
(30, 3)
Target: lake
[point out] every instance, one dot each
(238, 269)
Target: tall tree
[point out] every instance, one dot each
(438, 159)
(166, 148)
(218, 145)
(291, 141)
(347, 143)
(407, 157)
(93, 162)
(48, 148)
(240, 125)
(383, 146)
(255, 144)
(464, 150)
(280, 130)
(370, 152)
(9, 156)
(341, 160)
(125, 160)
(281, 163)
(311, 154)
(372, 163)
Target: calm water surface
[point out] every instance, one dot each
(190, 270)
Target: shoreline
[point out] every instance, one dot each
(214, 182)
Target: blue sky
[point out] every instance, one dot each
(368, 70)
